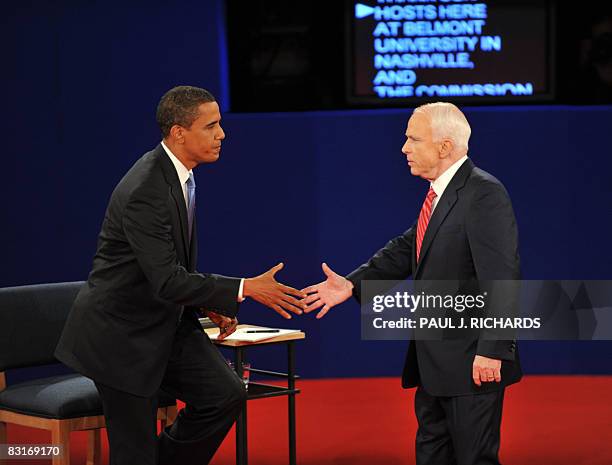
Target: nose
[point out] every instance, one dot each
(406, 148)
(221, 134)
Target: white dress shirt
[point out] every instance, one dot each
(439, 185)
(183, 175)
(181, 170)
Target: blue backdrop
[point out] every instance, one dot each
(81, 86)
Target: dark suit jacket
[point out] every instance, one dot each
(123, 321)
(472, 235)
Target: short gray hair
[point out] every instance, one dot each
(447, 122)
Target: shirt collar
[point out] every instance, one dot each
(439, 185)
(181, 170)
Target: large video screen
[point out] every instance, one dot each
(401, 51)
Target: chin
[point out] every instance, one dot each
(212, 158)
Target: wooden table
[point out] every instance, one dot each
(257, 390)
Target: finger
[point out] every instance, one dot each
(311, 298)
(323, 312)
(311, 289)
(231, 330)
(298, 303)
(327, 270)
(490, 374)
(291, 307)
(276, 269)
(292, 291)
(313, 306)
(483, 375)
(476, 376)
(280, 311)
(498, 376)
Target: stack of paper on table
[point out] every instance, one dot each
(241, 334)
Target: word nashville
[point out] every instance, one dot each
(413, 302)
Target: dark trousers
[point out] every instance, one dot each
(462, 430)
(198, 375)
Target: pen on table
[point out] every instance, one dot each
(263, 330)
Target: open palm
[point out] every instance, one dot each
(333, 291)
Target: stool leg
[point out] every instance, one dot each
(60, 436)
(242, 454)
(291, 402)
(171, 415)
(94, 447)
(3, 439)
(163, 423)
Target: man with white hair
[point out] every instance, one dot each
(466, 231)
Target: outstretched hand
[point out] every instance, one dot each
(327, 294)
(269, 292)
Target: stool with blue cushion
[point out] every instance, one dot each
(31, 321)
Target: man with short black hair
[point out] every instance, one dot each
(134, 326)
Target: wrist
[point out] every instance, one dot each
(247, 287)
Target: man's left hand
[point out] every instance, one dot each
(226, 324)
(486, 370)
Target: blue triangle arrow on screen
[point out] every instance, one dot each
(361, 11)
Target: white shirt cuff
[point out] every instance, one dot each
(240, 296)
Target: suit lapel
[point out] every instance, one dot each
(443, 208)
(193, 246)
(177, 194)
(179, 200)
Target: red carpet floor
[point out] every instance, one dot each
(556, 420)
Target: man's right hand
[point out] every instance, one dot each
(329, 293)
(268, 291)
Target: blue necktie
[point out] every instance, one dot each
(190, 202)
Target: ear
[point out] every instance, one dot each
(176, 132)
(446, 148)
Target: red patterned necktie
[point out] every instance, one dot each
(424, 219)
